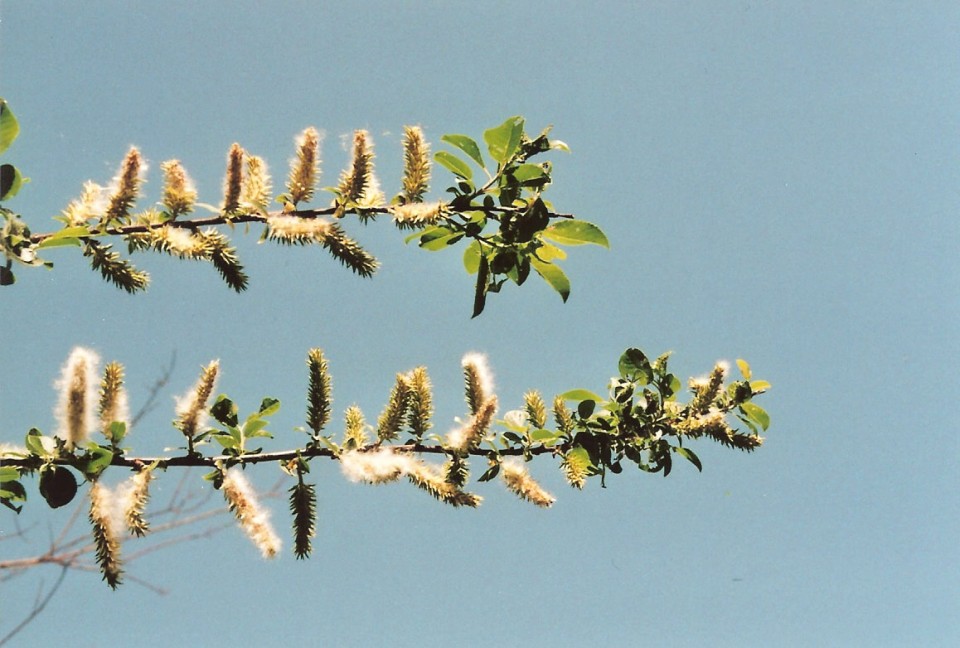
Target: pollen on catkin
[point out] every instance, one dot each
(305, 167)
(105, 535)
(469, 435)
(417, 214)
(179, 192)
(91, 204)
(76, 409)
(478, 378)
(192, 407)
(253, 518)
(133, 497)
(378, 466)
(518, 480)
(358, 184)
(416, 165)
(255, 192)
(125, 187)
(294, 230)
(114, 406)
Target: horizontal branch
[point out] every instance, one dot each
(254, 217)
(201, 461)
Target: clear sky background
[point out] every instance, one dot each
(779, 181)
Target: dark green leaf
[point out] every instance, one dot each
(467, 145)
(480, 293)
(7, 277)
(10, 181)
(58, 486)
(491, 472)
(585, 408)
(224, 410)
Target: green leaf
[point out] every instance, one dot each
(38, 444)
(253, 427)
(117, 430)
(576, 232)
(503, 140)
(269, 406)
(634, 365)
(66, 236)
(9, 473)
(439, 238)
(757, 386)
(454, 164)
(756, 414)
(549, 252)
(12, 491)
(546, 437)
(553, 275)
(690, 456)
(58, 486)
(579, 395)
(531, 175)
(471, 257)
(9, 128)
(227, 441)
(10, 181)
(95, 461)
(467, 145)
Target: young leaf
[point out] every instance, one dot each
(467, 145)
(756, 414)
(471, 257)
(503, 140)
(744, 368)
(576, 232)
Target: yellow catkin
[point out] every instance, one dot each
(518, 480)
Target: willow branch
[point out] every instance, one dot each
(262, 218)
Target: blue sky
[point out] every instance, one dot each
(779, 183)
